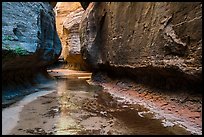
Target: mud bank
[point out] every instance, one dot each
(173, 107)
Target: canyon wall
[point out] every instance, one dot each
(29, 40)
(29, 37)
(153, 42)
(68, 17)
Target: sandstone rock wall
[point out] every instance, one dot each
(158, 42)
(68, 18)
(71, 28)
(62, 9)
(29, 38)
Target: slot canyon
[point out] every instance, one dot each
(102, 68)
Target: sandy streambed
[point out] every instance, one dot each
(74, 106)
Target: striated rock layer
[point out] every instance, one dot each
(29, 40)
(68, 18)
(159, 43)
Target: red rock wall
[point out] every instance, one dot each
(148, 40)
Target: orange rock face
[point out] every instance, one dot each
(68, 17)
(62, 9)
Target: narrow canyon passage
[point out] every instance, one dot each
(101, 68)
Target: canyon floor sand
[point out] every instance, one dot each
(79, 106)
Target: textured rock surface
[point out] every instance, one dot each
(29, 38)
(62, 9)
(68, 19)
(71, 27)
(150, 41)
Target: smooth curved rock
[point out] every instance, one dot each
(29, 37)
(149, 41)
(68, 19)
(29, 43)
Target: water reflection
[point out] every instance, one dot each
(66, 125)
(85, 109)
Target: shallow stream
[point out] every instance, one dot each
(73, 106)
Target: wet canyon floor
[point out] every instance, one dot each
(77, 106)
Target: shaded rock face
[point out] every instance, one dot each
(53, 4)
(150, 41)
(29, 38)
(68, 18)
(84, 5)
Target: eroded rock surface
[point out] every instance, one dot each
(150, 41)
(29, 41)
(68, 18)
